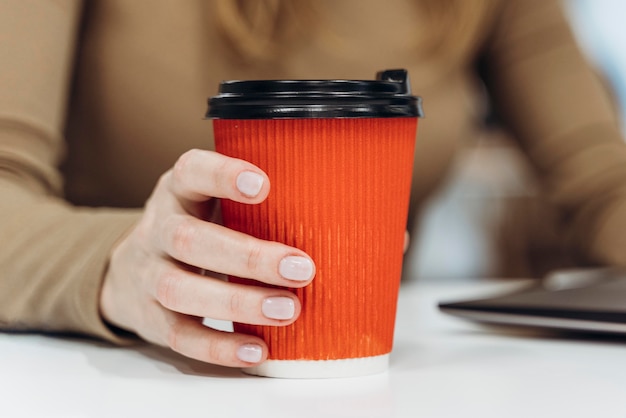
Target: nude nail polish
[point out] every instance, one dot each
(296, 268)
(250, 353)
(278, 307)
(249, 183)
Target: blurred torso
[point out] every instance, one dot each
(146, 68)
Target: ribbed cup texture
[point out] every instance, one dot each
(340, 192)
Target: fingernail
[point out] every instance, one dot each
(278, 307)
(249, 183)
(250, 353)
(295, 268)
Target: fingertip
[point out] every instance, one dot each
(296, 268)
(198, 175)
(250, 183)
(280, 307)
(251, 353)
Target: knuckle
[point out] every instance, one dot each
(183, 236)
(254, 258)
(168, 289)
(235, 305)
(180, 169)
(185, 158)
(175, 335)
(164, 179)
(214, 352)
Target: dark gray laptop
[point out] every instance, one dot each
(577, 300)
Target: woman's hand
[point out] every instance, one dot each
(155, 286)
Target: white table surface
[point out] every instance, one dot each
(440, 367)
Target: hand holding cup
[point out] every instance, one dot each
(164, 276)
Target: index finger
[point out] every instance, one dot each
(199, 175)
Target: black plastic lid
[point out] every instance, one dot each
(387, 96)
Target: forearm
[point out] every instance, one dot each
(52, 262)
(53, 256)
(557, 107)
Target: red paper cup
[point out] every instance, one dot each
(340, 192)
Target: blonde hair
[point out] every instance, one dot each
(261, 30)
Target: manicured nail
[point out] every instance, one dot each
(250, 353)
(278, 307)
(295, 268)
(249, 183)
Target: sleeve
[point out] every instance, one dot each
(53, 256)
(561, 112)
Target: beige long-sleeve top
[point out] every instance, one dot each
(96, 102)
